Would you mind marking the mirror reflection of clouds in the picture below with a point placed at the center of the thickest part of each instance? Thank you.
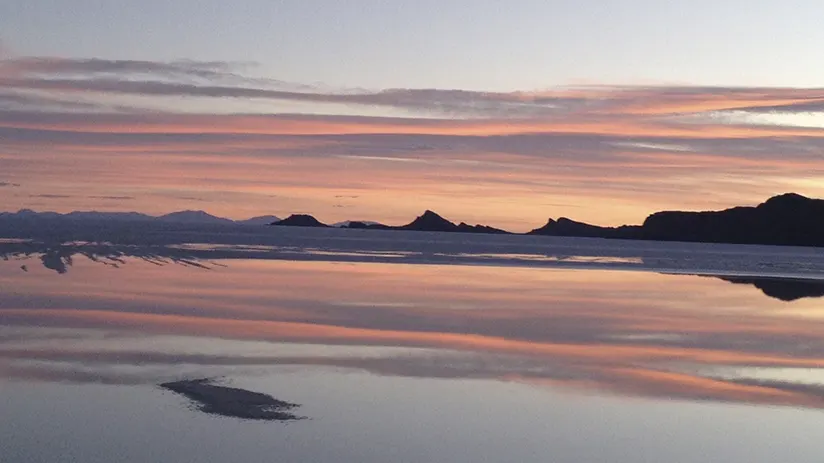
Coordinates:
(614, 331)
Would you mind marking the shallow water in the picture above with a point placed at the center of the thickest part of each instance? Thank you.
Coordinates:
(409, 362)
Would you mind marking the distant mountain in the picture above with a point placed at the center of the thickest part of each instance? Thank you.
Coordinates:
(119, 216)
(261, 220)
(789, 219)
(28, 214)
(568, 227)
(300, 220)
(433, 222)
(357, 223)
(430, 221)
(363, 225)
(466, 228)
(181, 217)
(194, 217)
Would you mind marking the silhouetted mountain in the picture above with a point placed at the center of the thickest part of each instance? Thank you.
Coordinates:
(300, 220)
(430, 221)
(119, 216)
(466, 228)
(567, 227)
(181, 217)
(360, 225)
(193, 217)
(788, 219)
(784, 289)
(28, 214)
(262, 220)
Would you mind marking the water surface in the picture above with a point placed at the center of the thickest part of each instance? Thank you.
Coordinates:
(409, 361)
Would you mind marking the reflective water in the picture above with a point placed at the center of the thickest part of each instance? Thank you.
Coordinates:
(405, 362)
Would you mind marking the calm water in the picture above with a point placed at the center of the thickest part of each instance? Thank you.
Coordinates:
(411, 362)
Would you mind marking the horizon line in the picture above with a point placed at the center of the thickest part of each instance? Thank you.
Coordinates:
(238, 221)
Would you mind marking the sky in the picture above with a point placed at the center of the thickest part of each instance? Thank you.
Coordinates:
(498, 112)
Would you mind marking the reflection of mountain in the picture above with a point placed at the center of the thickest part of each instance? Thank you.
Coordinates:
(60, 257)
(784, 289)
(624, 336)
(321, 245)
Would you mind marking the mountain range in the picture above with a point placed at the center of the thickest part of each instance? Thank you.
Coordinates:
(429, 221)
(180, 217)
(788, 219)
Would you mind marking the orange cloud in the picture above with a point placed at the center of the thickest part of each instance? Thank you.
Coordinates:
(608, 155)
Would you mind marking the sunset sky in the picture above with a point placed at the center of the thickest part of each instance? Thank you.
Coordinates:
(500, 112)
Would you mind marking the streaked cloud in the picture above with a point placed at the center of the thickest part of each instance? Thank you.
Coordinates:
(50, 196)
(214, 79)
(159, 132)
(46, 67)
(113, 198)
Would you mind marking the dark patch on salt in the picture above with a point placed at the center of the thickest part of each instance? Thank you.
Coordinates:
(233, 402)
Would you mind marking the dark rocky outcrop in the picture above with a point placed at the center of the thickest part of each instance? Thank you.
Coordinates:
(194, 217)
(300, 220)
(433, 222)
(358, 225)
(788, 219)
(568, 227)
(466, 228)
(430, 221)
